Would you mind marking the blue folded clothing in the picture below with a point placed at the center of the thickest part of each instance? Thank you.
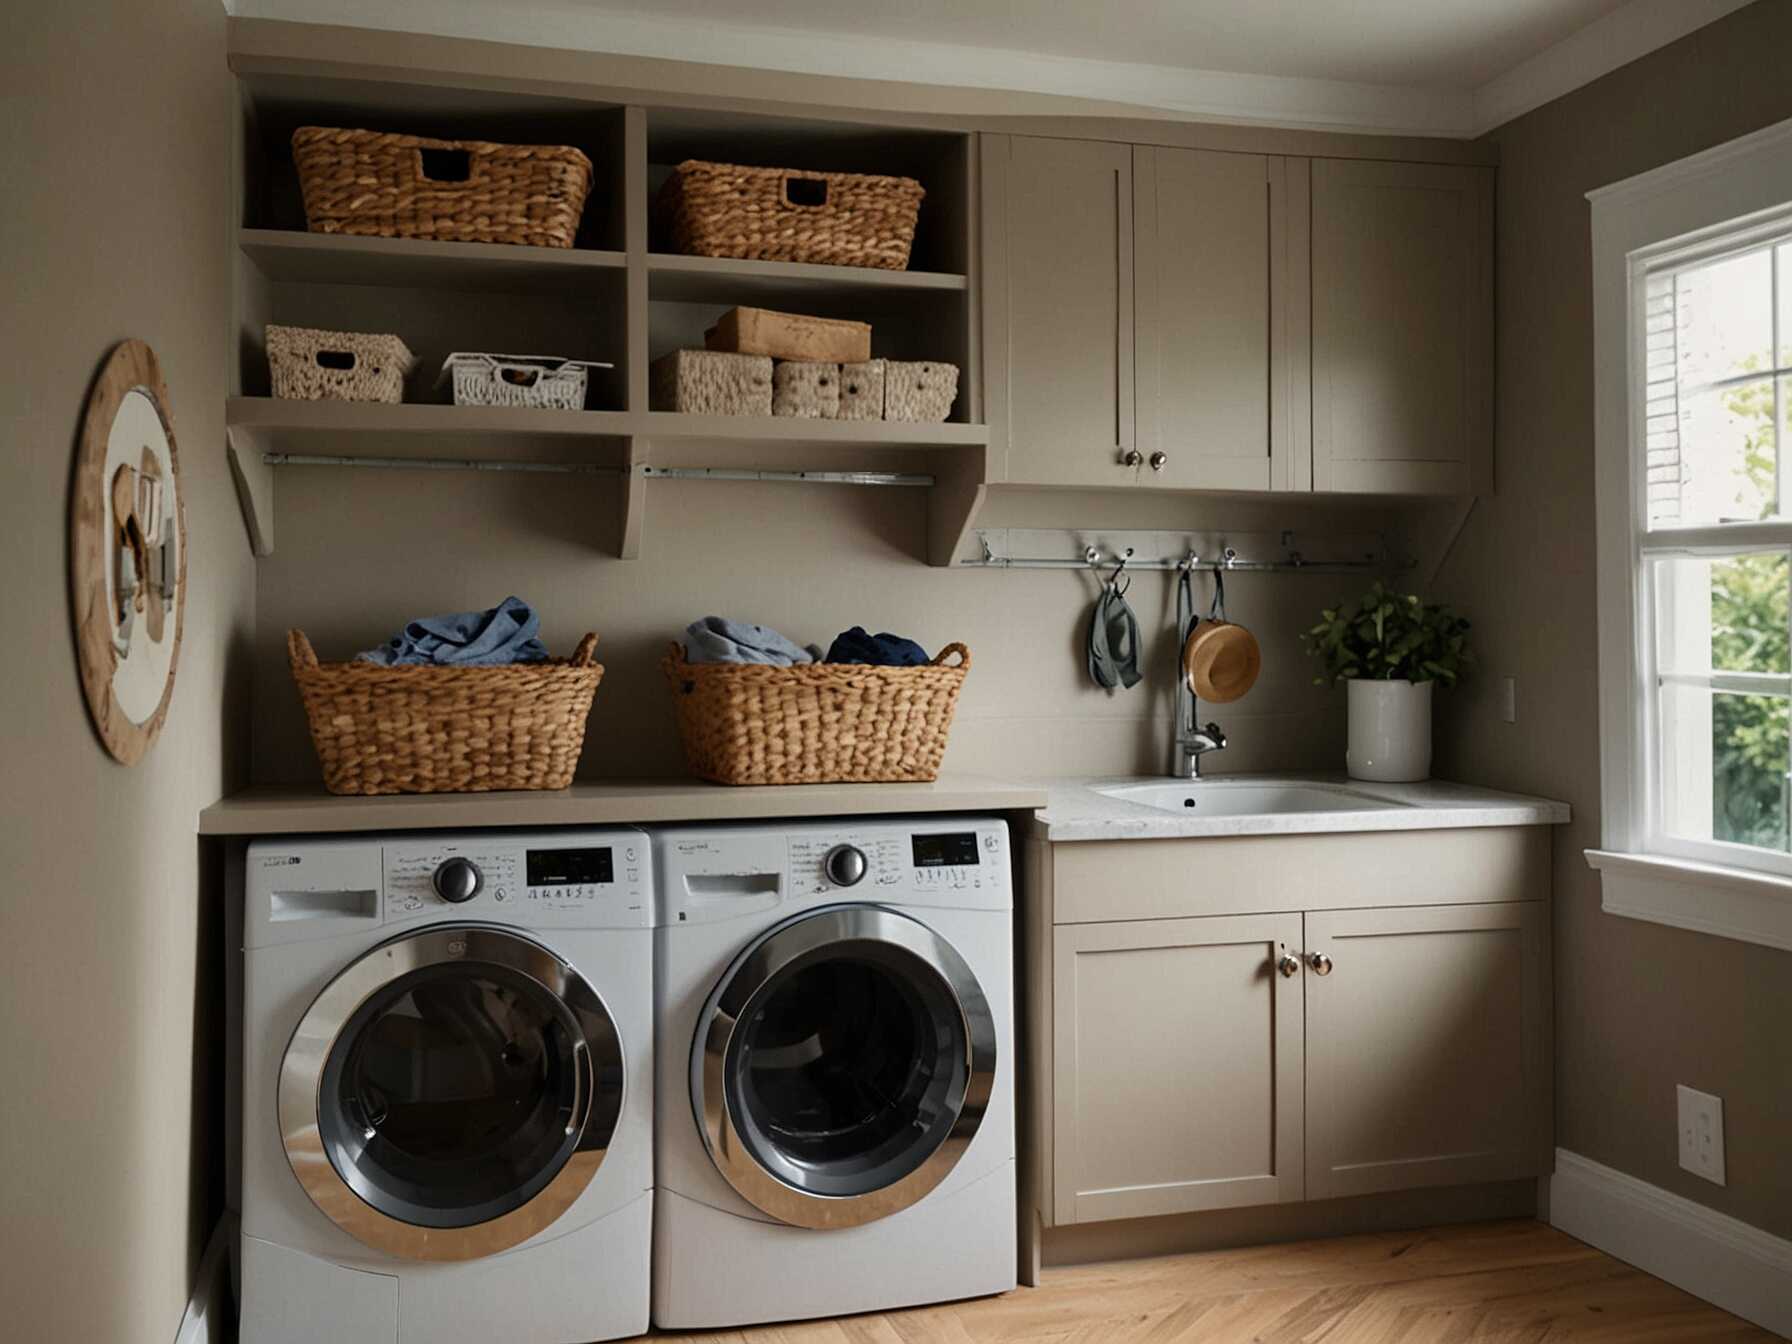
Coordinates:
(505, 634)
(886, 650)
(716, 639)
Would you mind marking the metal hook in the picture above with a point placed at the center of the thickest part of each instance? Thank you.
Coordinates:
(1120, 569)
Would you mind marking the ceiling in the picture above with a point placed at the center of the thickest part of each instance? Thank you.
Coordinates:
(1428, 67)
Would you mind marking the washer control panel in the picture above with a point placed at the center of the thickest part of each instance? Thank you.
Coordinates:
(602, 875)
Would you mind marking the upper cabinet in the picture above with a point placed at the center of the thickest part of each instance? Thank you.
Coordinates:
(1197, 320)
(1058, 345)
(1402, 327)
(1202, 227)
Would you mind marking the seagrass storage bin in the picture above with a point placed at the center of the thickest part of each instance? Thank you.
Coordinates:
(822, 723)
(806, 391)
(862, 390)
(445, 729)
(708, 382)
(462, 191)
(306, 364)
(919, 392)
(785, 214)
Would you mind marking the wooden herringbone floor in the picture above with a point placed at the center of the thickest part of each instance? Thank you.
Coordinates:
(1488, 1283)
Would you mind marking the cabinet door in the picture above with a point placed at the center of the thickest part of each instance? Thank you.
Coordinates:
(1202, 260)
(1177, 1066)
(1402, 327)
(1058, 308)
(1427, 1047)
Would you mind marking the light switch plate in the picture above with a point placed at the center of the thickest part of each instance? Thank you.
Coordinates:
(1509, 699)
(1701, 1133)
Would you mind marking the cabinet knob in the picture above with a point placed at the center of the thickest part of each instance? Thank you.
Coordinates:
(1131, 457)
(1287, 964)
(1159, 461)
(1321, 964)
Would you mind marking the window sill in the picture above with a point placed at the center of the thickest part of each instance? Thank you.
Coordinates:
(1724, 902)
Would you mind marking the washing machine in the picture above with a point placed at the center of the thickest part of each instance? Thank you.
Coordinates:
(835, 1103)
(447, 1088)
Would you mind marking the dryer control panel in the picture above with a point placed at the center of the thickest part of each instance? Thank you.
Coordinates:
(723, 872)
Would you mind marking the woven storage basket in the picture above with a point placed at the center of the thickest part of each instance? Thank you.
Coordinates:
(782, 214)
(919, 392)
(463, 191)
(445, 729)
(862, 390)
(709, 382)
(543, 381)
(806, 391)
(821, 723)
(306, 364)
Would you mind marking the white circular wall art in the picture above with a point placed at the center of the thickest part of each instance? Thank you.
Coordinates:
(128, 552)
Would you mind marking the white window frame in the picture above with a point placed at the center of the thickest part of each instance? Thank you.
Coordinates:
(1719, 202)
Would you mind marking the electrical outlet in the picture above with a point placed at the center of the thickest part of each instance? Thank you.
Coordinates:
(1509, 699)
(1701, 1133)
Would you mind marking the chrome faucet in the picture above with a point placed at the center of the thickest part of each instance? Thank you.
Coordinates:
(1191, 741)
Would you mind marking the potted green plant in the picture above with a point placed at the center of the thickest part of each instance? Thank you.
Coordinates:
(1391, 648)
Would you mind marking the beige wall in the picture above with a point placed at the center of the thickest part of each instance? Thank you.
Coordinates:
(1639, 1007)
(359, 551)
(116, 123)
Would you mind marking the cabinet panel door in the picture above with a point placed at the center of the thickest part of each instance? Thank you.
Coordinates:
(1202, 225)
(1402, 327)
(1176, 1066)
(1427, 1047)
(1059, 307)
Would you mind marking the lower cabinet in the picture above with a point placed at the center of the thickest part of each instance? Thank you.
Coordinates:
(1178, 1066)
(1427, 1047)
(1218, 1061)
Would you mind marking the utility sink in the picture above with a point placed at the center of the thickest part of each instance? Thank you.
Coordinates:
(1224, 798)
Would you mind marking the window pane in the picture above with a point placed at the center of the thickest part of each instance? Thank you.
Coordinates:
(1728, 614)
(1785, 288)
(1728, 454)
(1724, 319)
(1725, 753)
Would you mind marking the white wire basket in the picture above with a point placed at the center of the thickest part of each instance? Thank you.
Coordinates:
(546, 381)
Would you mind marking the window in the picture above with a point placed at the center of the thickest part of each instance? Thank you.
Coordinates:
(1692, 270)
(1711, 408)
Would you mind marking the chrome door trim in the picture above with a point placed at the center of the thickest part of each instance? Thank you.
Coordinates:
(597, 1053)
(799, 939)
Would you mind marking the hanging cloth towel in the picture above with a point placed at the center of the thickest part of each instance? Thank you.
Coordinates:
(1113, 640)
(506, 634)
(886, 650)
(717, 639)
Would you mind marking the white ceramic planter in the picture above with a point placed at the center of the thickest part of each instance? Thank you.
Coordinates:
(1390, 731)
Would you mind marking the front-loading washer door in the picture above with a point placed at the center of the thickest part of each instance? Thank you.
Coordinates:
(451, 1093)
(842, 1066)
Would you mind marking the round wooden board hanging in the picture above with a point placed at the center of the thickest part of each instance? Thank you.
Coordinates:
(128, 552)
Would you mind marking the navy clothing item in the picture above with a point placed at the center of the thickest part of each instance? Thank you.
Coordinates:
(886, 650)
(505, 634)
(717, 639)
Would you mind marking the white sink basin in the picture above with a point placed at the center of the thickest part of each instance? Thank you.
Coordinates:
(1223, 798)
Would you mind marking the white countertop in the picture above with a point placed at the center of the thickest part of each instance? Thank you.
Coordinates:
(1076, 812)
(272, 810)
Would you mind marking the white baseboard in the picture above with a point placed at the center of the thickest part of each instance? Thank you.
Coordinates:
(1711, 1255)
(204, 1321)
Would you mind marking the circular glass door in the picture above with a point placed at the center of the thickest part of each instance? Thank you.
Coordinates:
(843, 1066)
(451, 1093)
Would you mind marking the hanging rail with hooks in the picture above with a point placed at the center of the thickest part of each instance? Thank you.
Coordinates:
(1185, 551)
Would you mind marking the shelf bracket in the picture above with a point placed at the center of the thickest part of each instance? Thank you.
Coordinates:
(254, 481)
(634, 500)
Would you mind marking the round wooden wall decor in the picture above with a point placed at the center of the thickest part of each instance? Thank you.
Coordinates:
(128, 552)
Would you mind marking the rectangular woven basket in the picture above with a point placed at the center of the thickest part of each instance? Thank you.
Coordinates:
(821, 723)
(785, 214)
(446, 729)
(464, 191)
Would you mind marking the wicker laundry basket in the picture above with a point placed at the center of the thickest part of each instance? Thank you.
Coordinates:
(445, 729)
(822, 723)
(463, 191)
(784, 214)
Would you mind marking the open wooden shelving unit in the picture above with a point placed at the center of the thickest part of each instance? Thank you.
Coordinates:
(619, 295)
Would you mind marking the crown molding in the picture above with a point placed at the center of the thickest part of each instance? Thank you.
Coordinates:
(1634, 30)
